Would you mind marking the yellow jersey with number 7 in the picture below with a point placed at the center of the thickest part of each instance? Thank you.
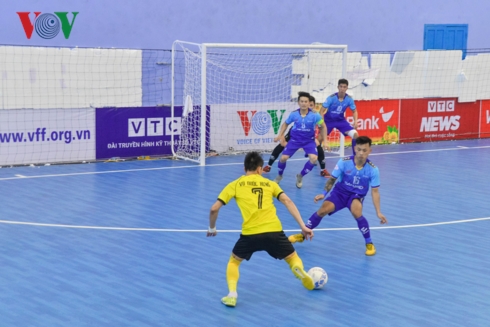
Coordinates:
(254, 196)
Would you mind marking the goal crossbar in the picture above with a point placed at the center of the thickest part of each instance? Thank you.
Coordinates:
(203, 103)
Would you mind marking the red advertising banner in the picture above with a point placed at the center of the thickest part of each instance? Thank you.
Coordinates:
(423, 120)
(485, 119)
(377, 119)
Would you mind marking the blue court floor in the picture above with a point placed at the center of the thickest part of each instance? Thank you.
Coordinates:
(124, 244)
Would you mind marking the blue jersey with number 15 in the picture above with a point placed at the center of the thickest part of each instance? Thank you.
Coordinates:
(353, 180)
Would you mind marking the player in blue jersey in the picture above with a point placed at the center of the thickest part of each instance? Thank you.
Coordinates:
(336, 105)
(354, 175)
(302, 135)
(318, 140)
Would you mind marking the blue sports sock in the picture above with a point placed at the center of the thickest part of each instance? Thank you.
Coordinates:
(313, 221)
(354, 146)
(307, 168)
(363, 226)
(281, 166)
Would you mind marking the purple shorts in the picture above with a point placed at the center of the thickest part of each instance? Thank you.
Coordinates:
(342, 125)
(292, 147)
(341, 200)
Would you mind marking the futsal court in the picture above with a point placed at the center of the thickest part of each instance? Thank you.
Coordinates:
(124, 244)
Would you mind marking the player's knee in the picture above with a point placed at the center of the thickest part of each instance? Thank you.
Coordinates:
(353, 134)
(356, 214)
(325, 209)
(322, 212)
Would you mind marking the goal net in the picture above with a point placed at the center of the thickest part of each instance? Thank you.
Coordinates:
(234, 97)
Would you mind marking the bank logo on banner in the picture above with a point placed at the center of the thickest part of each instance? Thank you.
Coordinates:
(139, 127)
(372, 122)
(47, 25)
(440, 123)
(261, 122)
(386, 115)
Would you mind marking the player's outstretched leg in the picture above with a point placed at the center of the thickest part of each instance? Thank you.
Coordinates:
(321, 159)
(354, 146)
(354, 135)
(363, 226)
(232, 276)
(281, 166)
(274, 155)
(311, 223)
(306, 169)
(296, 265)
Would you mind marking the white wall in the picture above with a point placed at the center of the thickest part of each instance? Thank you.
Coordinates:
(410, 74)
(39, 78)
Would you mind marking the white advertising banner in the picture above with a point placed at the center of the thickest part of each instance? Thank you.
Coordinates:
(247, 126)
(30, 136)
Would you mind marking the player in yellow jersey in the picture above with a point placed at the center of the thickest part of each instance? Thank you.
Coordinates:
(261, 229)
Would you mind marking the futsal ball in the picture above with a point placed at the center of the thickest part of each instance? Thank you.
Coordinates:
(319, 277)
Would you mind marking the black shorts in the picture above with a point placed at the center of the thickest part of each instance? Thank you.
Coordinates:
(288, 136)
(275, 243)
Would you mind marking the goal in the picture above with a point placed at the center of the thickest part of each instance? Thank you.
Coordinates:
(233, 98)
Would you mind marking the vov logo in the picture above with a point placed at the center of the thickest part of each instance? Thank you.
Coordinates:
(47, 25)
(261, 122)
(138, 127)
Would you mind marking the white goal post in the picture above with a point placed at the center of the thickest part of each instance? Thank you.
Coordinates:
(232, 98)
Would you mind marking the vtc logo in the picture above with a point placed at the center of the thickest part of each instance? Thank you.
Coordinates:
(261, 122)
(47, 25)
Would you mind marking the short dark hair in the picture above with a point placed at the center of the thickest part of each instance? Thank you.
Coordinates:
(343, 81)
(312, 99)
(363, 140)
(253, 160)
(303, 94)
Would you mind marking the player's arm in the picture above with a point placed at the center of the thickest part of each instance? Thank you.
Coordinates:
(328, 186)
(377, 204)
(353, 107)
(293, 210)
(323, 131)
(284, 126)
(321, 109)
(354, 115)
(327, 103)
(223, 198)
(213, 216)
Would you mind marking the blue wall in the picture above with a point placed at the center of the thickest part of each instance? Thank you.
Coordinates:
(154, 24)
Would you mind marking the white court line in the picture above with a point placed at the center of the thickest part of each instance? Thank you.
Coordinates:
(430, 150)
(227, 231)
(222, 164)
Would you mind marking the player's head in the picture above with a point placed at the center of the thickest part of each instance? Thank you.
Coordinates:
(304, 100)
(312, 102)
(253, 162)
(363, 147)
(343, 85)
